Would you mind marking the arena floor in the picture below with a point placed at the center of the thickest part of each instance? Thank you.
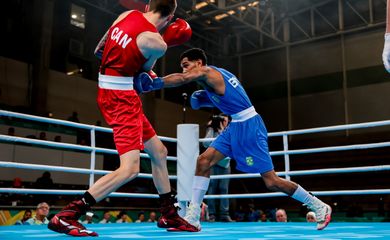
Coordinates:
(245, 231)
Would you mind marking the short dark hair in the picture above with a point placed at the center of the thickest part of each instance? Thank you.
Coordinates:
(164, 7)
(195, 54)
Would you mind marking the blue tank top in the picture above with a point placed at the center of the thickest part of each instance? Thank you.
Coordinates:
(235, 98)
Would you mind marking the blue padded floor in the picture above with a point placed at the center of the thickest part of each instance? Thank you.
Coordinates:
(245, 231)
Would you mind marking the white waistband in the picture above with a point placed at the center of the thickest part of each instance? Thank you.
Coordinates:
(115, 82)
(244, 115)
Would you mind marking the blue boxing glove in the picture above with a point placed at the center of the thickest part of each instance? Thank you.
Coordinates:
(146, 82)
(200, 99)
(100, 47)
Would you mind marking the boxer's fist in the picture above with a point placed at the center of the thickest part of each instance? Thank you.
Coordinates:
(200, 99)
(386, 52)
(177, 33)
(146, 82)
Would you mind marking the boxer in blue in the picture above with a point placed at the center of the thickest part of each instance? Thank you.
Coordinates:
(245, 139)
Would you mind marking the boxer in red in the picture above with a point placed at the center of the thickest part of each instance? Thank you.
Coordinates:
(132, 44)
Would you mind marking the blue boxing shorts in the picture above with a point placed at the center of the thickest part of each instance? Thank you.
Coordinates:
(246, 141)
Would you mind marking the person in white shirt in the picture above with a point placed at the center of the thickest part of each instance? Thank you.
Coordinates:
(141, 217)
(152, 217)
(41, 214)
(106, 217)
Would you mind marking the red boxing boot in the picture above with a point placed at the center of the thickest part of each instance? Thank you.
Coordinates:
(169, 217)
(66, 221)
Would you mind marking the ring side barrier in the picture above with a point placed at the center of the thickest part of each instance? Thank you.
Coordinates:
(287, 173)
(287, 152)
(67, 123)
(92, 129)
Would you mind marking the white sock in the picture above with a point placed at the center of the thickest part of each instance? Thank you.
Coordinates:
(199, 188)
(303, 196)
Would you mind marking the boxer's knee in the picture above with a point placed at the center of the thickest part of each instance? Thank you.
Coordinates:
(162, 152)
(272, 182)
(126, 174)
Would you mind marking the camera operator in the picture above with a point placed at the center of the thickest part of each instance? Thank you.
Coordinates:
(218, 186)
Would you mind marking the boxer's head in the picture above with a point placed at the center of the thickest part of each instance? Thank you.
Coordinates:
(192, 58)
(166, 9)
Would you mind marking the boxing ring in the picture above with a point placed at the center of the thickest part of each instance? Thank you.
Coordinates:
(211, 230)
(244, 231)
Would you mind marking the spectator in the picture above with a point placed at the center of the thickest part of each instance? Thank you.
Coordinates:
(254, 214)
(311, 217)
(42, 136)
(263, 217)
(88, 218)
(106, 217)
(281, 215)
(44, 182)
(239, 215)
(74, 117)
(40, 215)
(218, 186)
(27, 215)
(152, 217)
(57, 138)
(141, 217)
(11, 131)
(122, 217)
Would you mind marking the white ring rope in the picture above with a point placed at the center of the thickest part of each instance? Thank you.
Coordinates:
(224, 176)
(67, 169)
(67, 123)
(287, 173)
(72, 192)
(308, 172)
(332, 149)
(332, 128)
(67, 145)
(315, 193)
(146, 195)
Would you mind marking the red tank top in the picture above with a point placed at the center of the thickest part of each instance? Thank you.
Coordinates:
(121, 56)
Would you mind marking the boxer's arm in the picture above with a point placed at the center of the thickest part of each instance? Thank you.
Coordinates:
(152, 47)
(177, 79)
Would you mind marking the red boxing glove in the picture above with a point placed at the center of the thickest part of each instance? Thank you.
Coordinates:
(177, 33)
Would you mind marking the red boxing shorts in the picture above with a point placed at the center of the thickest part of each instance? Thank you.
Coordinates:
(122, 110)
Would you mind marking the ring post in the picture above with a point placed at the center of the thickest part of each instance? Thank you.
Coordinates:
(187, 153)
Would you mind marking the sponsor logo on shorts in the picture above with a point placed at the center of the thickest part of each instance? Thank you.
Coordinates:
(249, 161)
